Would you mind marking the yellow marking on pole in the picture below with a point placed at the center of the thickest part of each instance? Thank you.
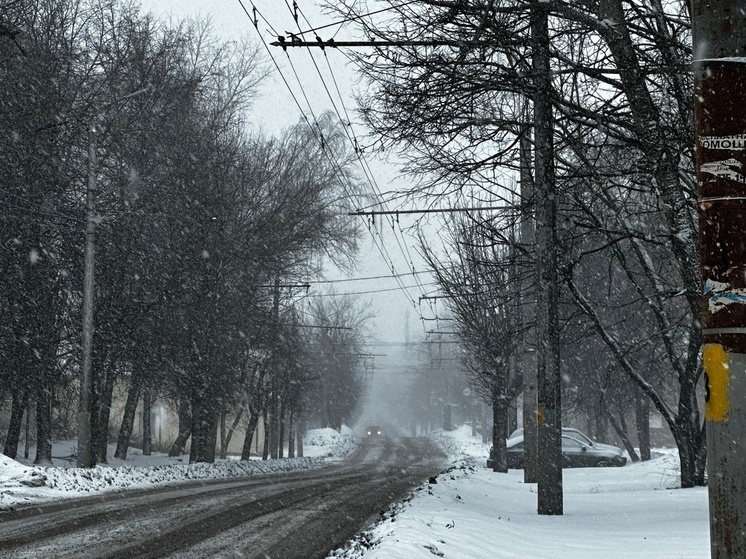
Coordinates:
(717, 371)
(540, 419)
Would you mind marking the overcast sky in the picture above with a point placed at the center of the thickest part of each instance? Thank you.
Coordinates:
(276, 109)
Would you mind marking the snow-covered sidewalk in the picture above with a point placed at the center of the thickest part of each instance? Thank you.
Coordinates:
(633, 512)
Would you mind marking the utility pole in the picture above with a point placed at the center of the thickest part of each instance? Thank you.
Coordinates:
(274, 422)
(86, 459)
(548, 411)
(550, 497)
(85, 447)
(527, 310)
(719, 34)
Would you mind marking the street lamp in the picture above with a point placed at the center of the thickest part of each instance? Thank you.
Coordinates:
(85, 450)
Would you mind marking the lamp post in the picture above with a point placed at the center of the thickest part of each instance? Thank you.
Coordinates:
(85, 454)
(85, 448)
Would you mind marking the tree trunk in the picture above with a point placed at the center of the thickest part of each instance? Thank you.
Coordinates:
(274, 425)
(692, 454)
(18, 405)
(621, 431)
(44, 421)
(299, 436)
(221, 426)
(281, 434)
(102, 411)
(265, 450)
(601, 432)
(642, 420)
(291, 440)
(204, 430)
(499, 453)
(249, 439)
(185, 428)
(147, 428)
(128, 418)
(27, 437)
(226, 441)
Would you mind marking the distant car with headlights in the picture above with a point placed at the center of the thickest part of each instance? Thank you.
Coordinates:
(576, 453)
(373, 431)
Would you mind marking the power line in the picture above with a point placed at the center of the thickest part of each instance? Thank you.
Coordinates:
(300, 108)
(362, 292)
(366, 168)
(356, 17)
(388, 276)
(332, 43)
(432, 210)
(403, 246)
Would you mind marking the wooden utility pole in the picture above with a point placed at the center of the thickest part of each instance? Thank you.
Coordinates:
(549, 478)
(719, 29)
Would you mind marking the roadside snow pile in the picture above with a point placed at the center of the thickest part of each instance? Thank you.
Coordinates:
(460, 444)
(633, 512)
(469, 512)
(21, 484)
(103, 478)
(329, 443)
(13, 474)
(369, 540)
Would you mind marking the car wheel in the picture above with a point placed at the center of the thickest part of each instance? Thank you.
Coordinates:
(603, 463)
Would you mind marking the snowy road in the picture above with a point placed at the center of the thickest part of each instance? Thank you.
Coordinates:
(304, 514)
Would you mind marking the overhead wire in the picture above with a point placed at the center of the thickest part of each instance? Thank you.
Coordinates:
(356, 17)
(345, 280)
(381, 248)
(349, 131)
(367, 292)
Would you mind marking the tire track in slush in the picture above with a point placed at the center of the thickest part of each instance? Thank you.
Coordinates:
(300, 515)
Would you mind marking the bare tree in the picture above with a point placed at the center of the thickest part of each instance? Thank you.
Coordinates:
(480, 294)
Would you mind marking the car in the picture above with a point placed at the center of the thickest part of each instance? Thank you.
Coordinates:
(577, 434)
(575, 453)
(373, 431)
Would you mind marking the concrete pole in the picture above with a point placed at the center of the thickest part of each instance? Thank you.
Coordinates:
(550, 493)
(85, 449)
(719, 29)
(528, 313)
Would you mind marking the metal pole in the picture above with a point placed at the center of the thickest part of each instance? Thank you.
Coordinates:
(274, 424)
(85, 451)
(719, 33)
(527, 312)
(550, 497)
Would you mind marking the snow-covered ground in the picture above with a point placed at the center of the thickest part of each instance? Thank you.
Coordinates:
(21, 483)
(634, 512)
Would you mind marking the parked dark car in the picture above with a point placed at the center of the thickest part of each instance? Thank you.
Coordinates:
(575, 453)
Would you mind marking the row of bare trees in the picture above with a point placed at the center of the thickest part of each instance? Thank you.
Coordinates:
(623, 159)
(198, 223)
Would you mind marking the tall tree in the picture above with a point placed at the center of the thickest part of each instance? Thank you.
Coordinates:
(455, 109)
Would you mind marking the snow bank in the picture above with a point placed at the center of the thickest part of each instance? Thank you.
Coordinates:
(469, 512)
(459, 444)
(13, 474)
(25, 484)
(329, 443)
